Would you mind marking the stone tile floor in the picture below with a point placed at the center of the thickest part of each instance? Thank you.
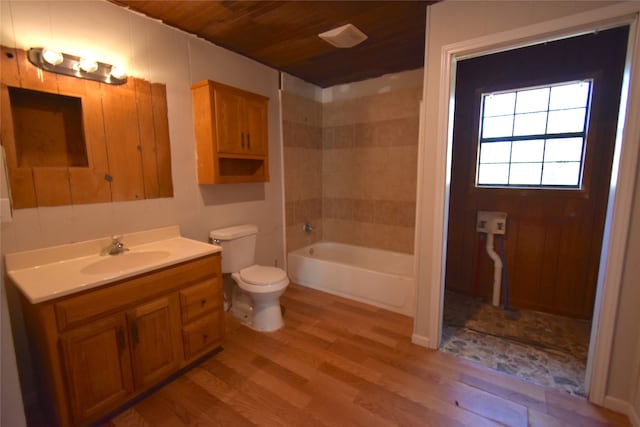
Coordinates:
(540, 347)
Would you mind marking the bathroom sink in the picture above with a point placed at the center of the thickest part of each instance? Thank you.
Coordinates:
(124, 261)
(53, 272)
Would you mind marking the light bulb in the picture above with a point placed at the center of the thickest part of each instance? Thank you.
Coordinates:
(118, 72)
(52, 57)
(88, 65)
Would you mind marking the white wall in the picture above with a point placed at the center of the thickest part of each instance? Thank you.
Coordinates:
(158, 53)
(454, 22)
(377, 85)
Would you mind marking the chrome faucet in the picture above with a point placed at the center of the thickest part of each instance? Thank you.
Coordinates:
(307, 228)
(115, 248)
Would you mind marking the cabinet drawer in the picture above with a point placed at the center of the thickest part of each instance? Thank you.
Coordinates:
(199, 299)
(202, 335)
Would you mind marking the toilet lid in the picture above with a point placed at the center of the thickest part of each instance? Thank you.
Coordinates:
(261, 275)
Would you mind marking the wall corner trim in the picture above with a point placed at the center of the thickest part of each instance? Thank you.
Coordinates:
(618, 405)
(423, 341)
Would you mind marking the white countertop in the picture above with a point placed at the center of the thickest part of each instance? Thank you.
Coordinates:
(49, 273)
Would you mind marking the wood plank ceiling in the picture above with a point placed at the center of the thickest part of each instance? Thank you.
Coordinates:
(283, 34)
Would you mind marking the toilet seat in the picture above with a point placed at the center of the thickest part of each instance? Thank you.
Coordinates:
(261, 279)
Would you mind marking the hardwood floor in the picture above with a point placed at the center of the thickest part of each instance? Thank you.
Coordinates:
(342, 363)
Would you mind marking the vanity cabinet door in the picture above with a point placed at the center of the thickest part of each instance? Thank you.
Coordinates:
(155, 336)
(98, 366)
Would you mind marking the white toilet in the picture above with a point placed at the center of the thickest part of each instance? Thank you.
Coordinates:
(262, 284)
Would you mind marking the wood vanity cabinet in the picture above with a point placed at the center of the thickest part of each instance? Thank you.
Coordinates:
(231, 134)
(99, 349)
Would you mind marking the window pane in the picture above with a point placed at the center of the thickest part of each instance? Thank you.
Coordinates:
(530, 124)
(493, 173)
(550, 113)
(497, 126)
(499, 105)
(532, 100)
(525, 173)
(569, 96)
(566, 120)
(527, 151)
(563, 150)
(561, 173)
(495, 152)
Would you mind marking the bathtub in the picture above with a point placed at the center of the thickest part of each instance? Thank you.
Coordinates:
(373, 276)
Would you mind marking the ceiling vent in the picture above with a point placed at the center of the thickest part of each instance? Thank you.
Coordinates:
(345, 36)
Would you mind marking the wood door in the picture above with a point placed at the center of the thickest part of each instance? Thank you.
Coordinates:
(163, 143)
(554, 237)
(155, 340)
(256, 126)
(123, 141)
(228, 119)
(98, 366)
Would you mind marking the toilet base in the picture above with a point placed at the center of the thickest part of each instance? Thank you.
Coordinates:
(259, 312)
(243, 312)
(267, 316)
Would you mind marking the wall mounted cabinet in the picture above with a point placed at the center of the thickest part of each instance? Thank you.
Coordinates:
(74, 141)
(98, 349)
(231, 134)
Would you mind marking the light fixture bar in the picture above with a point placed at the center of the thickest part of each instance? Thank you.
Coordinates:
(77, 67)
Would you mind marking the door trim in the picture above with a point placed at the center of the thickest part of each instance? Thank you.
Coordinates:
(431, 237)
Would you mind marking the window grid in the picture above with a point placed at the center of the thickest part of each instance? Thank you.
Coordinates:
(545, 138)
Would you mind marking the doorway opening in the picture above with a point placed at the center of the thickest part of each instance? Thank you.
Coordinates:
(552, 181)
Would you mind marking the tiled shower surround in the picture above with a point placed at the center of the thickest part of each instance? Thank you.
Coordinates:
(351, 169)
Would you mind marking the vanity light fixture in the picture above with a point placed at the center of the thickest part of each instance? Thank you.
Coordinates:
(70, 65)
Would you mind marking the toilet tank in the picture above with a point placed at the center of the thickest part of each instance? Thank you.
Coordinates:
(238, 246)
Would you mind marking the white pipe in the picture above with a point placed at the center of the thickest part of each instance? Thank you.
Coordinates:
(497, 269)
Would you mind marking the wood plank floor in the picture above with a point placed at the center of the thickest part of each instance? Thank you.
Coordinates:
(341, 363)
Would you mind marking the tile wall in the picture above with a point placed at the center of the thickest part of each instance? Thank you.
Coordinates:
(351, 169)
(302, 140)
(369, 170)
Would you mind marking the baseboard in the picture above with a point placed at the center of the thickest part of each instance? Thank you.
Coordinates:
(421, 340)
(623, 407)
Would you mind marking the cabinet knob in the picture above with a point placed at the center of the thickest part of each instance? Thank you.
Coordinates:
(205, 337)
(203, 301)
(242, 138)
(249, 141)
